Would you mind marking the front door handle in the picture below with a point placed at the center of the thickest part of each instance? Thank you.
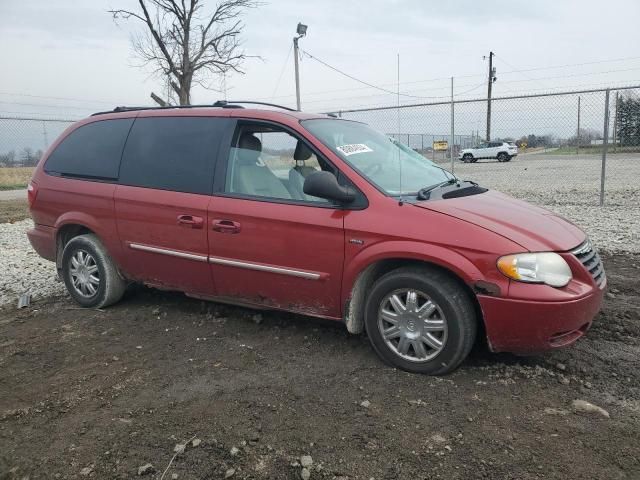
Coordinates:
(226, 226)
(190, 221)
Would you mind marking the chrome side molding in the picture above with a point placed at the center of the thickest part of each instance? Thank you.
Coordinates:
(265, 268)
(227, 262)
(167, 251)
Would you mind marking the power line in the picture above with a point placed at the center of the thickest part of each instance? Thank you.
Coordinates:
(516, 70)
(572, 65)
(284, 66)
(13, 94)
(46, 105)
(474, 87)
(575, 75)
(335, 69)
(513, 71)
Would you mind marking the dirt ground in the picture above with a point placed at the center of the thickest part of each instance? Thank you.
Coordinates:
(13, 210)
(98, 394)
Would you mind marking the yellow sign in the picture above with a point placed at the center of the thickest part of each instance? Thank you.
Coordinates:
(441, 145)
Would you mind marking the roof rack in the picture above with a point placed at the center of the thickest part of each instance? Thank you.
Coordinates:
(218, 104)
(230, 104)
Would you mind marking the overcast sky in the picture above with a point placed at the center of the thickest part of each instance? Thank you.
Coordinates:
(73, 50)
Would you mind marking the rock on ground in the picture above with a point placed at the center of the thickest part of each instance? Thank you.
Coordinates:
(586, 407)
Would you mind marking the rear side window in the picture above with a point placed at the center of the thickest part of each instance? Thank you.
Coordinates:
(91, 151)
(172, 153)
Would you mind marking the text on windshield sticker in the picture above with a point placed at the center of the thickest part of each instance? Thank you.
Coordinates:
(354, 148)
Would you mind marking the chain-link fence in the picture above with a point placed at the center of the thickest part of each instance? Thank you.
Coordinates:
(567, 155)
(23, 139)
(572, 150)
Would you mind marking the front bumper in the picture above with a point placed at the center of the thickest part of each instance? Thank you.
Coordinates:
(524, 326)
(43, 241)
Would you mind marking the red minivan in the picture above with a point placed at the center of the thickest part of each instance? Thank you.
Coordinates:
(279, 209)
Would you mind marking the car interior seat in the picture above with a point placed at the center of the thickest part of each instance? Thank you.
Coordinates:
(249, 175)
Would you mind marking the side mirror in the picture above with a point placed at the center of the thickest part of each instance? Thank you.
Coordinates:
(325, 185)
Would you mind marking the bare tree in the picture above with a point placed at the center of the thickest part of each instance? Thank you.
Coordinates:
(185, 44)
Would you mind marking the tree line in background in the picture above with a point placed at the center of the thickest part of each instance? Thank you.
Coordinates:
(628, 121)
(27, 157)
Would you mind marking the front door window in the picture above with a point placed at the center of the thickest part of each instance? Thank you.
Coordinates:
(270, 162)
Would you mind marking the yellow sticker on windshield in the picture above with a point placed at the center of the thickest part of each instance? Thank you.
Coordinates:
(354, 148)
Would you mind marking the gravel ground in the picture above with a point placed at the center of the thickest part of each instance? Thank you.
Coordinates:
(23, 271)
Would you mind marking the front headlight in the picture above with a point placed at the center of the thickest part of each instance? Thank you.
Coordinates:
(546, 267)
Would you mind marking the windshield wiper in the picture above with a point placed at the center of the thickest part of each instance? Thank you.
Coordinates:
(423, 193)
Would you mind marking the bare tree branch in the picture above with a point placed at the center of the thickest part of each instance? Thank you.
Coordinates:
(185, 44)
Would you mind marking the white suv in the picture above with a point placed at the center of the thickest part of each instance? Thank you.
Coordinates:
(502, 151)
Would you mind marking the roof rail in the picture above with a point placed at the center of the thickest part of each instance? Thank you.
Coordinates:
(231, 104)
(167, 107)
(218, 104)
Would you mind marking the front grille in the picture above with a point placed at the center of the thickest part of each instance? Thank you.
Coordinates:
(591, 260)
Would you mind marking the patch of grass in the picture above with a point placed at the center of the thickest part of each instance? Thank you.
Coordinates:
(13, 210)
(14, 178)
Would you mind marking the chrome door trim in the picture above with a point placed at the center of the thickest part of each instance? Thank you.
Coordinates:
(167, 251)
(265, 268)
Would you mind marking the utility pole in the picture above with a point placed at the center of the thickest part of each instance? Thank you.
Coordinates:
(301, 30)
(490, 84)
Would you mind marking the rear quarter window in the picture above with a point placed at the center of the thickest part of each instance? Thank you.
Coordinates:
(172, 153)
(91, 151)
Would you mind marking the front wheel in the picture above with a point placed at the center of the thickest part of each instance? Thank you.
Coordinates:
(467, 157)
(420, 320)
(503, 157)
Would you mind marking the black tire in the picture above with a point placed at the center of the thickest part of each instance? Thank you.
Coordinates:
(474, 160)
(467, 157)
(109, 287)
(454, 305)
(503, 157)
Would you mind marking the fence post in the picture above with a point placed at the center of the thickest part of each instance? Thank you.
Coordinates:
(578, 131)
(452, 139)
(44, 135)
(615, 127)
(605, 142)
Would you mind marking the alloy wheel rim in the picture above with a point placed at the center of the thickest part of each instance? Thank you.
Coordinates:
(412, 325)
(84, 272)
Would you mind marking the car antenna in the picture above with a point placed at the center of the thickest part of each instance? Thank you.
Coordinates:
(401, 201)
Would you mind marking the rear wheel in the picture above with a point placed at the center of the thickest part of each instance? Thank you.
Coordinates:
(90, 274)
(420, 320)
(503, 157)
(467, 157)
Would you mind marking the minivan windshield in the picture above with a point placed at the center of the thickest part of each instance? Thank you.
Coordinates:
(377, 157)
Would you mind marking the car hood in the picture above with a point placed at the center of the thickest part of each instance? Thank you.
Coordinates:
(533, 228)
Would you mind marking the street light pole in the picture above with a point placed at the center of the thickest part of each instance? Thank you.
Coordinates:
(301, 30)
